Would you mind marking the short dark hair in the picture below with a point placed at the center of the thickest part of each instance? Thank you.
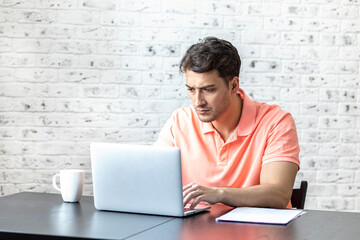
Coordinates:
(212, 53)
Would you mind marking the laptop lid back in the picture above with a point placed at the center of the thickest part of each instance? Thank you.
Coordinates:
(137, 178)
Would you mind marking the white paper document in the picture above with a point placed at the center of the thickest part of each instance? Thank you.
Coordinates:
(261, 215)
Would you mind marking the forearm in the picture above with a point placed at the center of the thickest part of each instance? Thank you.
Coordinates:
(267, 195)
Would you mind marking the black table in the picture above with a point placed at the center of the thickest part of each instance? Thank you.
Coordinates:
(43, 216)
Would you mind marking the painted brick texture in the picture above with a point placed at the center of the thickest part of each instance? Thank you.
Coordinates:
(73, 72)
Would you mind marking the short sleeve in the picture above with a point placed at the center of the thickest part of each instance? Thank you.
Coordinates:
(282, 143)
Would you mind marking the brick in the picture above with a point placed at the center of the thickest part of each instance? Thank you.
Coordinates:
(141, 63)
(56, 90)
(339, 122)
(174, 92)
(319, 52)
(242, 23)
(349, 53)
(324, 135)
(301, 67)
(56, 4)
(78, 17)
(56, 119)
(349, 109)
(322, 190)
(291, 38)
(93, 4)
(56, 61)
(262, 9)
(17, 60)
(185, 6)
(142, 120)
(99, 62)
(300, 10)
(101, 91)
(76, 162)
(335, 176)
(252, 65)
(16, 90)
(121, 77)
(327, 25)
(337, 95)
(15, 148)
(284, 52)
(223, 7)
(17, 4)
(36, 16)
(348, 39)
(122, 135)
(311, 163)
(349, 162)
(97, 32)
(336, 203)
(260, 37)
(351, 25)
(5, 45)
(350, 136)
(311, 81)
(163, 20)
(342, 67)
(75, 47)
(336, 149)
(140, 6)
(306, 122)
(82, 76)
(333, 11)
(159, 106)
(163, 78)
(299, 94)
(349, 189)
(15, 119)
(61, 148)
(16, 30)
(36, 134)
(165, 50)
(203, 21)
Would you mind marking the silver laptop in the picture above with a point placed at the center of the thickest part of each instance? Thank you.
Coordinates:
(138, 179)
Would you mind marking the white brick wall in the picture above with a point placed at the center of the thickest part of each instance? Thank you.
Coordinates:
(73, 72)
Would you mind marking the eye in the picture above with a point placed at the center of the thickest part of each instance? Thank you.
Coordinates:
(209, 90)
(191, 90)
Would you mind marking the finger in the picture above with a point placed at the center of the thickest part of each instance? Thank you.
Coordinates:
(190, 185)
(191, 195)
(189, 188)
(196, 201)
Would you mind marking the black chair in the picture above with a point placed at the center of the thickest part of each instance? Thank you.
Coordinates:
(298, 196)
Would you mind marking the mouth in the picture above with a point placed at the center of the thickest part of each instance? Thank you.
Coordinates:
(202, 111)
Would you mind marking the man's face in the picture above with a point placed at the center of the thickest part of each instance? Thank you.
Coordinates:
(209, 94)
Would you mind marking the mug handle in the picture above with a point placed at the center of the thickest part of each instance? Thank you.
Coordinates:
(54, 182)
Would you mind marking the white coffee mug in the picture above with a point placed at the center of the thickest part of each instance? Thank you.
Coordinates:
(71, 184)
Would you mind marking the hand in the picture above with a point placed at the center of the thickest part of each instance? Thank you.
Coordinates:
(200, 193)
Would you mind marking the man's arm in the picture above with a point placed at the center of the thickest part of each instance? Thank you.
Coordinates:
(274, 191)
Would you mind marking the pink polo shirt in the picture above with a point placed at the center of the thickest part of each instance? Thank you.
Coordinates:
(265, 134)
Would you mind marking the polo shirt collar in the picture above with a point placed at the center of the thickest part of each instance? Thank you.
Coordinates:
(247, 120)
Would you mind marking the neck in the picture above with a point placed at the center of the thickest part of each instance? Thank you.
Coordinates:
(228, 122)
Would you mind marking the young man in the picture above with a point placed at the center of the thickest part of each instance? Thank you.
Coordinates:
(234, 150)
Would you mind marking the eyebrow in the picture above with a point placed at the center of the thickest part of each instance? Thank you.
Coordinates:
(206, 86)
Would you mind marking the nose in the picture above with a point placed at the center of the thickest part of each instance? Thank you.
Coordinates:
(199, 99)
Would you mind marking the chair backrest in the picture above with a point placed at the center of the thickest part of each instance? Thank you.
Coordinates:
(298, 196)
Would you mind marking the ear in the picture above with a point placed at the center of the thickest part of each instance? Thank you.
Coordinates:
(234, 84)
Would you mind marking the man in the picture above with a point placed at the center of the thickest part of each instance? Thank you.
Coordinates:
(234, 150)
